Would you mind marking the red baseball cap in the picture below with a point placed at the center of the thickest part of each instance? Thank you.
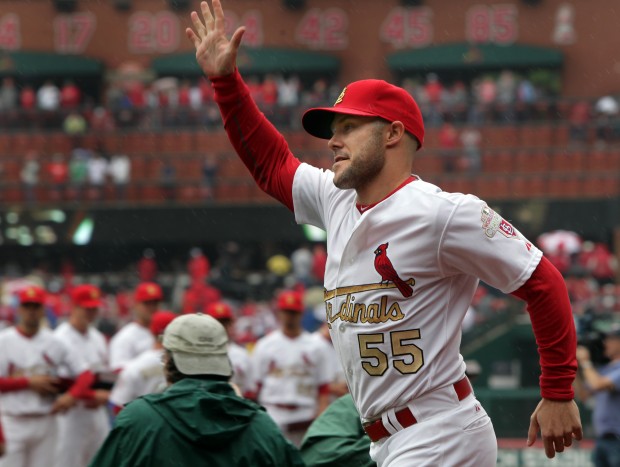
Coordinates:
(160, 320)
(219, 310)
(291, 300)
(368, 98)
(32, 294)
(148, 291)
(86, 296)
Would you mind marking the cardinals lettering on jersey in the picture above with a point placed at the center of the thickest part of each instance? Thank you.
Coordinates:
(383, 265)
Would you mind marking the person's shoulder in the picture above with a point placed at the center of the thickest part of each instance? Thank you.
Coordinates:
(422, 188)
(273, 336)
(62, 329)
(140, 408)
(126, 332)
(8, 333)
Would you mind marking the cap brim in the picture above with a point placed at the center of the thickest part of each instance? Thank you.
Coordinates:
(90, 304)
(198, 364)
(318, 121)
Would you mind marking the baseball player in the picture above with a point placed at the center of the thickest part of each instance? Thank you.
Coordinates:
(136, 337)
(144, 374)
(31, 358)
(290, 377)
(239, 357)
(82, 430)
(404, 260)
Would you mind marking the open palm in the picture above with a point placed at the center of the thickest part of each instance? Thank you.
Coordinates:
(215, 54)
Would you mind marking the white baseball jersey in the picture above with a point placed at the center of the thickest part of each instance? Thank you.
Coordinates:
(91, 346)
(128, 343)
(82, 430)
(41, 354)
(400, 278)
(289, 372)
(240, 360)
(142, 375)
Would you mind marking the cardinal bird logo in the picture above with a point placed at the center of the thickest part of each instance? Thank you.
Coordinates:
(384, 267)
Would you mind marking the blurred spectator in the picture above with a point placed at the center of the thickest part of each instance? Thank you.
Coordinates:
(29, 176)
(48, 101)
(9, 95)
(579, 119)
(147, 266)
(101, 120)
(301, 261)
(606, 120)
(120, 173)
(58, 172)
(319, 261)
(506, 94)
(70, 96)
(27, 98)
(433, 90)
(97, 171)
(470, 140)
(210, 169)
(602, 264)
(168, 180)
(448, 142)
(74, 124)
(198, 267)
(78, 171)
(48, 96)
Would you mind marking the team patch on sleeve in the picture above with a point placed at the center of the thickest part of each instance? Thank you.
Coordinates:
(492, 223)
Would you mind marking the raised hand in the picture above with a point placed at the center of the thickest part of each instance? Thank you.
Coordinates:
(216, 55)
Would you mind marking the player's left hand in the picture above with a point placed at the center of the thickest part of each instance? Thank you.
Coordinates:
(558, 423)
(63, 403)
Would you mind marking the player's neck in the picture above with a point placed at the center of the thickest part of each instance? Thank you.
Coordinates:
(291, 333)
(79, 326)
(381, 188)
(27, 331)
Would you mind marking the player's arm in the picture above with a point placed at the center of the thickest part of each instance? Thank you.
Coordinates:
(260, 146)
(557, 415)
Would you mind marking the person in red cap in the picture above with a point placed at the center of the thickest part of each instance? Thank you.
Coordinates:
(404, 261)
(136, 337)
(290, 371)
(239, 357)
(32, 359)
(82, 430)
(145, 373)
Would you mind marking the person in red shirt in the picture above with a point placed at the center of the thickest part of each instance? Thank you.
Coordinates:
(58, 173)
(70, 96)
(147, 266)
(198, 267)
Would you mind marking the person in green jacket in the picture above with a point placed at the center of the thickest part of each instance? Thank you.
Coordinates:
(337, 438)
(200, 420)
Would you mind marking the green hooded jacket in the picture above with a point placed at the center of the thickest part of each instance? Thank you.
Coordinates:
(336, 438)
(195, 422)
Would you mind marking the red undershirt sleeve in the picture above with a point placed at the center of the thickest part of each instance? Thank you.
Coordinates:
(81, 387)
(552, 321)
(258, 143)
(324, 389)
(13, 384)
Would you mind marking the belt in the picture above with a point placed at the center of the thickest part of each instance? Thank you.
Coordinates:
(286, 406)
(376, 430)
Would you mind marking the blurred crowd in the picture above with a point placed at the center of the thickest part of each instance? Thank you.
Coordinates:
(495, 98)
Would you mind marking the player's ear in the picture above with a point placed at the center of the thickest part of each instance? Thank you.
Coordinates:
(396, 133)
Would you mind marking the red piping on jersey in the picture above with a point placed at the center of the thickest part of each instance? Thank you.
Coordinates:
(362, 208)
(552, 320)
